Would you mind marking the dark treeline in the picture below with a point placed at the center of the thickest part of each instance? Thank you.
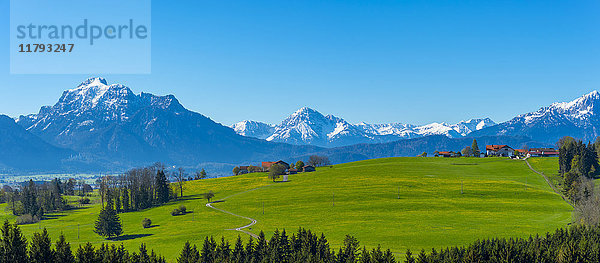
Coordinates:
(577, 244)
(31, 201)
(577, 161)
(15, 248)
(136, 189)
(578, 167)
(303, 246)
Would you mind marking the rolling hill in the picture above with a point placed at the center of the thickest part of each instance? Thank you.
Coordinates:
(397, 203)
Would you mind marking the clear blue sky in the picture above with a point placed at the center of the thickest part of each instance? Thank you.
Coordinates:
(375, 61)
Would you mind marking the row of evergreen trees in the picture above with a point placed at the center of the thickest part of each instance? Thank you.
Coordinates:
(303, 246)
(136, 189)
(577, 244)
(577, 161)
(15, 248)
(36, 199)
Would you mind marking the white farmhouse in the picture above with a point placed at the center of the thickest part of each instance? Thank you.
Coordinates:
(499, 150)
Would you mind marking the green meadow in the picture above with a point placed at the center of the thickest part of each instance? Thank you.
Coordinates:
(398, 203)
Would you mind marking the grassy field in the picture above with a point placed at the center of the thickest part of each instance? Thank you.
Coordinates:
(398, 203)
(548, 166)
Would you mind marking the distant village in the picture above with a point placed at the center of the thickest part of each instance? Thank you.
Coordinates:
(502, 150)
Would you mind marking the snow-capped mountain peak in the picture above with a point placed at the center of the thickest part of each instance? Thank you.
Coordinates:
(254, 129)
(579, 118)
(308, 126)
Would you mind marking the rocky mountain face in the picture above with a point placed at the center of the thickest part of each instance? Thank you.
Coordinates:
(578, 118)
(308, 126)
(121, 128)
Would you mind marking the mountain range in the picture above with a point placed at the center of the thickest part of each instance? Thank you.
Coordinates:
(579, 118)
(308, 126)
(102, 127)
(111, 126)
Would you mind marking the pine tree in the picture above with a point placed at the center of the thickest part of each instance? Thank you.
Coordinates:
(209, 248)
(237, 255)
(189, 254)
(41, 248)
(14, 244)
(162, 187)
(86, 254)
(125, 200)
(108, 223)
(409, 257)
(349, 251)
(63, 251)
(261, 249)
(475, 148)
(143, 256)
(422, 258)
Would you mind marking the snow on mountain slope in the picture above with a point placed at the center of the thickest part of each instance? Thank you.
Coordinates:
(579, 118)
(308, 126)
(254, 129)
(112, 123)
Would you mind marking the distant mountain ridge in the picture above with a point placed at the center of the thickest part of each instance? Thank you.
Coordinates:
(308, 126)
(579, 118)
(18, 148)
(104, 127)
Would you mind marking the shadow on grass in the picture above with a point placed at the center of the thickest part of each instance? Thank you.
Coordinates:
(129, 237)
(75, 208)
(153, 226)
(52, 217)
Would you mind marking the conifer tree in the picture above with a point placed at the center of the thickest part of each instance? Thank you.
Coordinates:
(125, 200)
(237, 254)
(189, 254)
(86, 253)
(63, 251)
(261, 249)
(475, 148)
(409, 257)
(41, 248)
(162, 187)
(349, 250)
(108, 223)
(14, 244)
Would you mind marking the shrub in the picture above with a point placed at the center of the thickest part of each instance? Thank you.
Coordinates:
(175, 212)
(179, 211)
(84, 201)
(27, 219)
(146, 223)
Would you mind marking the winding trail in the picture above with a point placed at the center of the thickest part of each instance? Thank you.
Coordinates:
(252, 220)
(549, 183)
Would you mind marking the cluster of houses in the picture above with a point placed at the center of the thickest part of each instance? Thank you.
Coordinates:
(503, 150)
(265, 166)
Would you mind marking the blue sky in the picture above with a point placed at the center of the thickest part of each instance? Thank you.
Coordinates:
(374, 61)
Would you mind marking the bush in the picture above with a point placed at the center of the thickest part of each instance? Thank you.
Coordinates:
(175, 212)
(84, 201)
(27, 219)
(146, 223)
(179, 211)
